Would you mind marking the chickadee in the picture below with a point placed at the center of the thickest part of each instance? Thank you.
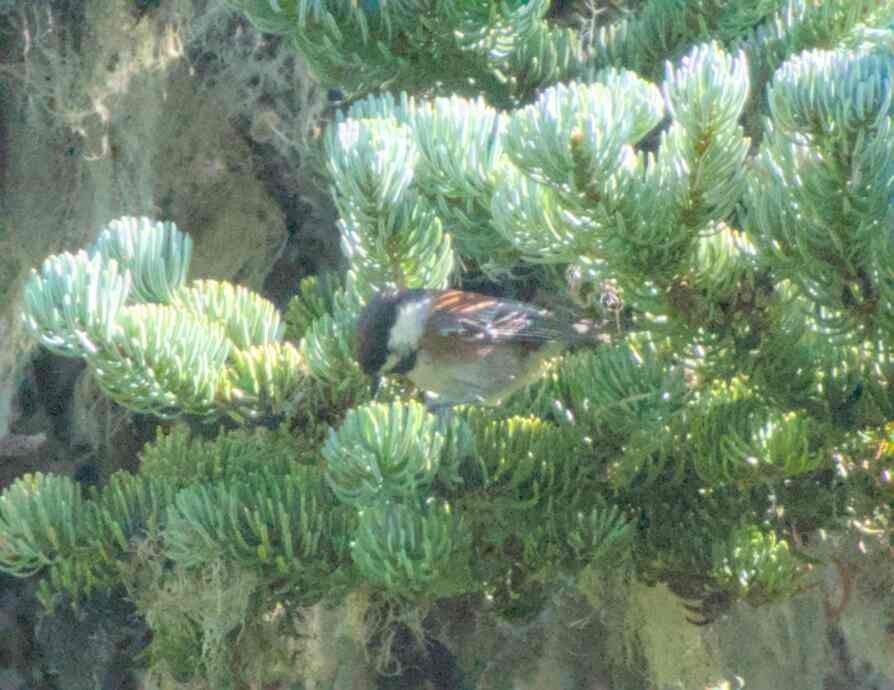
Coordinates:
(462, 347)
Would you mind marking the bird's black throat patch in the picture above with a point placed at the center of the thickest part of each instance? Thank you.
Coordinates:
(374, 327)
(406, 363)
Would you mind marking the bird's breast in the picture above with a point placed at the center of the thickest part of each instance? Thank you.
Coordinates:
(488, 378)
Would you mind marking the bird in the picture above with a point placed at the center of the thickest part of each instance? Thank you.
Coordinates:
(463, 347)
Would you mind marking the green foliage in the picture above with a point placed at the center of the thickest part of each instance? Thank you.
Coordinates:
(33, 531)
(76, 544)
(247, 318)
(72, 304)
(163, 359)
(269, 523)
(372, 165)
(757, 565)
(443, 46)
(321, 316)
(407, 550)
(176, 457)
(820, 197)
(716, 176)
(526, 462)
(252, 501)
(264, 377)
(155, 344)
(317, 296)
(540, 487)
(735, 438)
(156, 254)
(326, 347)
(598, 534)
(383, 452)
(798, 26)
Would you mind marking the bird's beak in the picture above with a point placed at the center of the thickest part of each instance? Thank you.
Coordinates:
(374, 387)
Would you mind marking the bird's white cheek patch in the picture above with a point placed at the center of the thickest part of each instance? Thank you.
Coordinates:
(408, 326)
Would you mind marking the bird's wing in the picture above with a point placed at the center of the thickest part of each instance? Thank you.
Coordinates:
(491, 321)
